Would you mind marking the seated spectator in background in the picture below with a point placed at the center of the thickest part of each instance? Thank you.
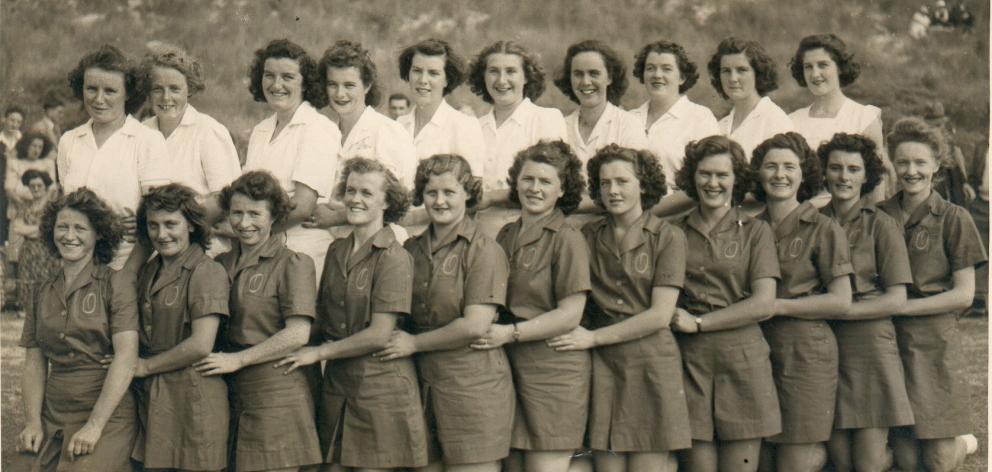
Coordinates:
(50, 123)
(13, 118)
(941, 16)
(952, 181)
(962, 18)
(399, 105)
(920, 23)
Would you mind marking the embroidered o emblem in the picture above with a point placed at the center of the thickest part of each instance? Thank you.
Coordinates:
(89, 303)
(731, 250)
(528, 257)
(362, 280)
(795, 247)
(171, 296)
(641, 263)
(921, 240)
(450, 264)
(255, 283)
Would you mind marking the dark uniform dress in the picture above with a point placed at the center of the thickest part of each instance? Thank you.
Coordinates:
(272, 416)
(941, 238)
(812, 252)
(871, 389)
(468, 394)
(638, 399)
(184, 415)
(727, 373)
(369, 413)
(74, 330)
(548, 262)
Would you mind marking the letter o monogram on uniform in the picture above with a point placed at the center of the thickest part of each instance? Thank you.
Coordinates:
(642, 262)
(255, 282)
(921, 240)
(529, 256)
(171, 296)
(795, 247)
(450, 264)
(89, 303)
(363, 278)
(731, 250)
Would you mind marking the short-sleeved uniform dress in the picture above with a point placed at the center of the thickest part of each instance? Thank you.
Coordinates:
(871, 389)
(549, 261)
(74, 326)
(638, 399)
(184, 415)
(468, 394)
(941, 238)
(812, 252)
(369, 413)
(272, 416)
(727, 373)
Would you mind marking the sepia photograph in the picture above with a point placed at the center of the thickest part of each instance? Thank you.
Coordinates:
(486, 236)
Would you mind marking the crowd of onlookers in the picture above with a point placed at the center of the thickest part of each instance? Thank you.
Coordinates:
(940, 17)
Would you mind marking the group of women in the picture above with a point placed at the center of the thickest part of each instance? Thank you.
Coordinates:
(511, 333)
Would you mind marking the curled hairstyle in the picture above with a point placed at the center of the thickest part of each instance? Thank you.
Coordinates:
(529, 62)
(28, 139)
(765, 77)
(110, 59)
(397, 197)
(615, 69)
(174, 57)
(170, 198)
(344, 54)
(809, 164)
(855, 143)
(687, 68)
(313, 92)
(32, 174)
(439, 164)
(10, 110)
(259, 185)
(847, 68)
(454, 65)
(915, 130)
(559, 155)
(646, 169)
(106, 226)
(710, 146)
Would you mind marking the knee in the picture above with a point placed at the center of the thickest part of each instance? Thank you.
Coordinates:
(808, 457)
(942, 457)
(872, 463)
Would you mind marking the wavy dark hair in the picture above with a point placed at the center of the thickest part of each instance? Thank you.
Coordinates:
(454, 65)
(174, 57)
(111, 59)
(10, 110)
(441, 163)
(259, 185)
(345, 54)
(855, 143)
(647, 169)
(397, 197)
(809, 164)
(559, 155)
(28, 139)
(848, 69)
(615, 68)
(32, 174)
(106, 225)
(916, 130)
(170, 198)
(530, 64)
(687, 68)
(313, 92)
(765, 76)
(696, 151)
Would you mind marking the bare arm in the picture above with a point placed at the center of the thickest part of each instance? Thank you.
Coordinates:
(759, 306)
(458, 333)
(184, 354)
(645, 323)
(954, 300)
(371, 339)
(882, 306)
(305, 199)
(139, 254)
(830, 305)
(673, 204)
(33, 397)
(290, 338)
(326, 215)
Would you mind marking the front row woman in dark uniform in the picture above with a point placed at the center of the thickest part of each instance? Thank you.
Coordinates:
(80, 415)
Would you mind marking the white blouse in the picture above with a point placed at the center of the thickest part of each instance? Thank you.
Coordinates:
(765, 121)
(449, 132)
(376, 136)
(528, 125)
(852, 117)
(615, 126)
(201, 152)
(683, 123)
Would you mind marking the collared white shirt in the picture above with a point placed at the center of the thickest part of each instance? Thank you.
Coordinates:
(683, 123)
(615, 126)
(852, 117)
(449, 132)
(201, 152)
(132, 160)
(765, 121)
(376, 136)
(526, 126)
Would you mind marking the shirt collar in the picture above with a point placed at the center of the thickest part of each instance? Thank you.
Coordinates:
(465, 230)
(187, 260)
(934, 204)
(382, 239)
(552, 221)
(91, 272)
(733, 217)
(855, 213)
(268, 250)
(804, 213)
(131, 127)
(635, 237)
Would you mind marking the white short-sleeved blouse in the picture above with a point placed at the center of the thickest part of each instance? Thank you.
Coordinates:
(449, 132)
(528, 125)
(765, 121)
(615, 126)
(201, 152)
(376, 136)
(683, 123)
(852, 117)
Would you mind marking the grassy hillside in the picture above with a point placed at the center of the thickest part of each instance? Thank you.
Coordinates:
(43, 39)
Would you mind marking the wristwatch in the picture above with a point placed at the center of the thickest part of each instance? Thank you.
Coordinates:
(699, 324)
(516, 333)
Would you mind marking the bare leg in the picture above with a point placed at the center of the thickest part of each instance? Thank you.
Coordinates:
(739, 455)
(810, 457)
(581, 463)
(702, 457)
(839, 449)
(943, 455)
(905, 450)
(607, 461)
(652, 461)
(868, 450)
(547, 461)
